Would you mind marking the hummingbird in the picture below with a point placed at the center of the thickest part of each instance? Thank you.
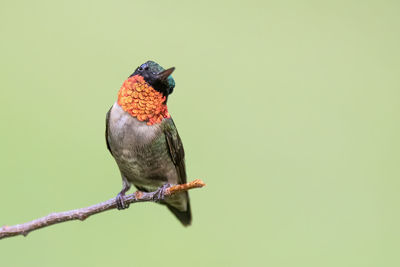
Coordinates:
(143, 139)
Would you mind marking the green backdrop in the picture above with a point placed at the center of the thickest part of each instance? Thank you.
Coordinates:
(288, 110)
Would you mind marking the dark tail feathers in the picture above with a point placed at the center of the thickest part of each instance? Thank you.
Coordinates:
(185, 217)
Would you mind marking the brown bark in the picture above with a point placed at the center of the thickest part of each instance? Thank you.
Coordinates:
(83, 213)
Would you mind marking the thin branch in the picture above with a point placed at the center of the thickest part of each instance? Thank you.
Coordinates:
(83, 213)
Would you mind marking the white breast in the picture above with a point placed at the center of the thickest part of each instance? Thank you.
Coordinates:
(126, 129)
(127, 136)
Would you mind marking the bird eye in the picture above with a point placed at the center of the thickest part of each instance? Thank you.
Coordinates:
(140, 69)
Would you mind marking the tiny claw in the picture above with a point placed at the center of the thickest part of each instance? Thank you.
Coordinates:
(121, 203)
(160, 193)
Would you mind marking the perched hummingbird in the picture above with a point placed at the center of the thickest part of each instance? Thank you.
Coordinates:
(143, 138)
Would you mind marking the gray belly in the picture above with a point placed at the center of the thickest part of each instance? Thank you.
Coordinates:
(140, 150)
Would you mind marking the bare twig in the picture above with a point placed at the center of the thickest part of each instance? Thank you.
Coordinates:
(83, 213)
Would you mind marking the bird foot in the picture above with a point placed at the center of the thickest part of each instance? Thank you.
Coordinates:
(161, 192)
(121, 203)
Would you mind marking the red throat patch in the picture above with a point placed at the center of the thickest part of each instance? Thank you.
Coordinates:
(142, 101)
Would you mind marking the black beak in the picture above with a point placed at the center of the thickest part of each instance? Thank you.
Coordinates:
(163, 75)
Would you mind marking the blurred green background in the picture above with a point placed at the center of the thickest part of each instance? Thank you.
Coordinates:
(288, 110)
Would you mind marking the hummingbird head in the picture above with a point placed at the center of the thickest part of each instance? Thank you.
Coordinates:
(144, 94)
(157, 77)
